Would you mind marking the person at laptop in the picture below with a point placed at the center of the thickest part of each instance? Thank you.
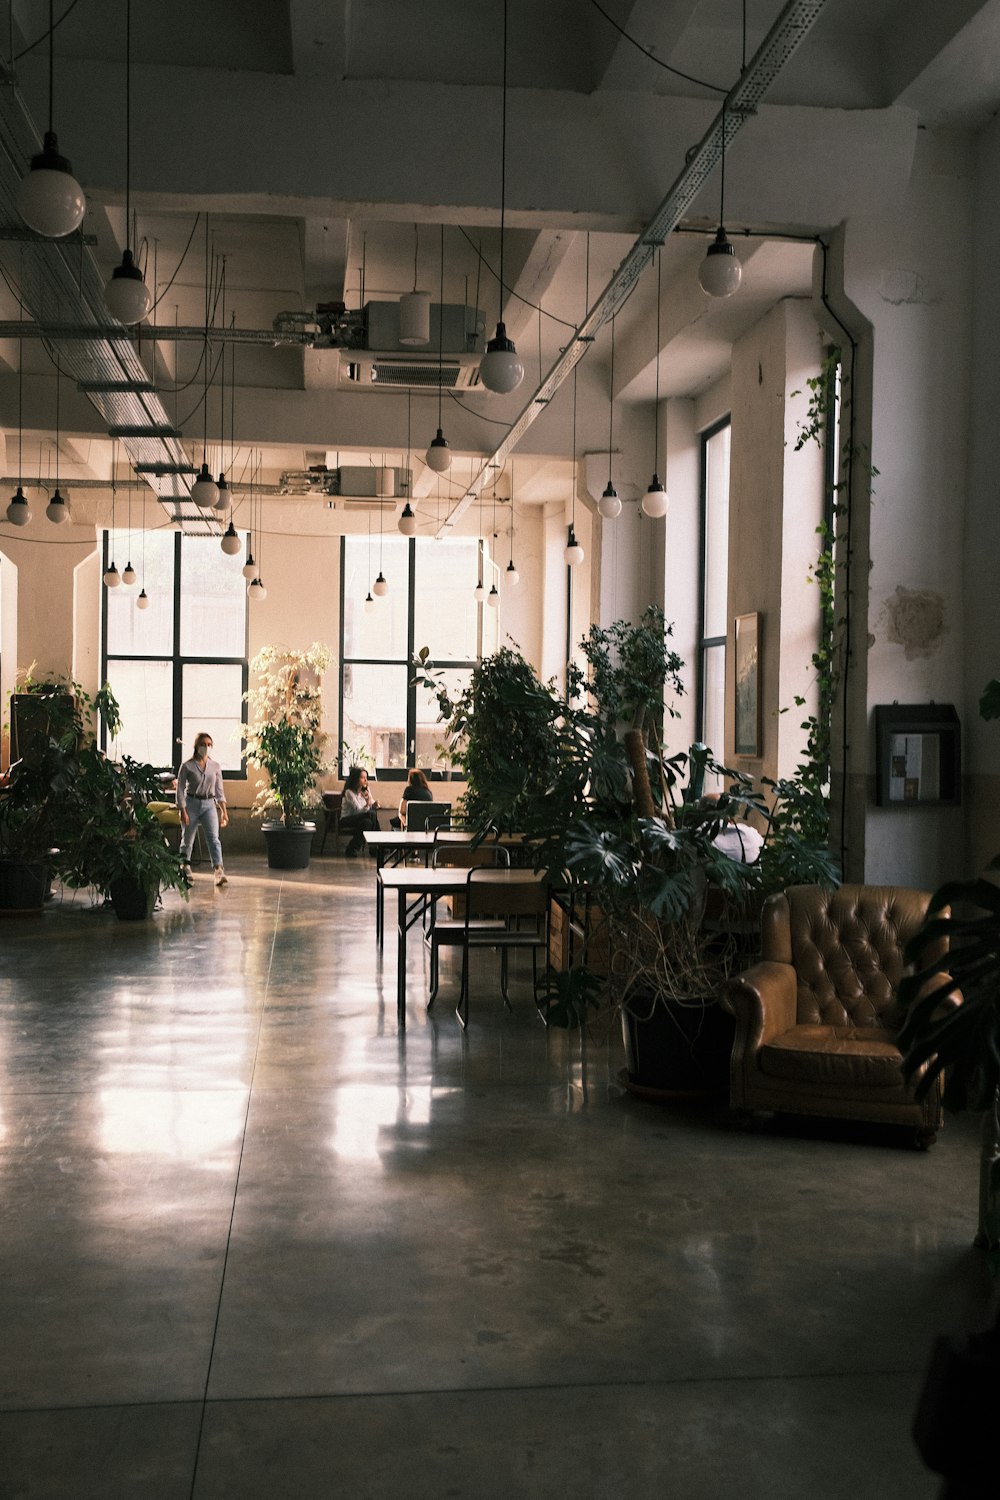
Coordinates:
(416, 790)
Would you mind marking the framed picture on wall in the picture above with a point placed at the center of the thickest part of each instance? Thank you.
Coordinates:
(746, 717)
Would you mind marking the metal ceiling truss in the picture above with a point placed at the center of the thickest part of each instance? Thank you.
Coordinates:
(785, 36)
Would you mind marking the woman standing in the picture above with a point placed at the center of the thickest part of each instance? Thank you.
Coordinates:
(358, 810)
(201, 799)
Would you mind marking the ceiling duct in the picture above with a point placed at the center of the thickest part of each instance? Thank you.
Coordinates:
(350, 483)
(60, 283)
(457, 345)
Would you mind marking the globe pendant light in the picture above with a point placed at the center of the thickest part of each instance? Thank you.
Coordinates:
(205, 491)
(223, 499)
(438, 455)
(256, 592)
(129, 575)
(57, 510)
(609, 504)
(407, 522)
(415, 307)
(369, 603)
(112, 577)
(720, 273)
(380, 586)
(654, 501)
(231, 543)
(142, 600)
(479, 592)
(250, 567)
(573, 552)
(49, 198)
(511, 574)
(18, 512)
(493, 597)
(126, 296)
(500, 369)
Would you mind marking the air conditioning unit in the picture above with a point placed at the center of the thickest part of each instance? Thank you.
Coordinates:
(457, 336)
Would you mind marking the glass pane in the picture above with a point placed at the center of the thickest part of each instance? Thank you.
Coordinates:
(213, 701)
(713, 718)
(142, 632)
(144, 690)
(716, 532)
(375, 713)
(381, 632)
(430, 729)
(444, 610)
(213, 600)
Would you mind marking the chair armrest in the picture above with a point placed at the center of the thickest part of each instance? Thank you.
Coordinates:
(762, 999)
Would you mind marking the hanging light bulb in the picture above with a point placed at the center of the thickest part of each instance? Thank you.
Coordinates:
(224, 499)
(573, 552)
(49, 198)
(250, 568)
(655, 502)
(720, 273)
(380, 587)
(231, 543)
(57, 510)
(511, 574)
(501, 369)
(204, 491)
(493, 597)
(369, 603)
(439, 453)
(129, 575)
(18, 513)
(142, 600)
(126, 296)
(479, 592)
(256, 592)
(112, 577)
(407, 522)
(610, 504)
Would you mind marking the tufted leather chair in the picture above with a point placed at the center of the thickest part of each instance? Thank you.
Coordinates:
(816, 1019)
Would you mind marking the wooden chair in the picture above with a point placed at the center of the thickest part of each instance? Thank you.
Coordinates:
(450, 932)
(332, 803)
(485, 905)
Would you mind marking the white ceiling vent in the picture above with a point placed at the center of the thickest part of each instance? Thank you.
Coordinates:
(395, 372)
(383, 363)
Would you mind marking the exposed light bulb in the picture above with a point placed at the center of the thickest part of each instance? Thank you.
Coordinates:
(655, 503)
(126, 296)
(129, 575)
(142, 600)
(439, 453)
(609, 504)
(511, 574)
(369, 603)
(720, 273)
(493, 597)
(231, 543)
(500, 369)
(250, 567)
(204, 491)
(224, 498)
(112, 577)
(18, 513)
(57, 510)
(573, 552)
(380, 587)
(407, 522)
(256, 592)
(49, 198)
(479, 592)
(415, 318)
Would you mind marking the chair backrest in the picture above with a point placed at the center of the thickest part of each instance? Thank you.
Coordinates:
(333, 801)
(846, 946)
(423, 815)
(490, 898)
(468, 856)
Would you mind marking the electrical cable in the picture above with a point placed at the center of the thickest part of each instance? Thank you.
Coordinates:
(703, 83)
(47, 33)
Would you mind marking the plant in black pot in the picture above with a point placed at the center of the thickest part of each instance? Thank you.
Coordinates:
(284, 739)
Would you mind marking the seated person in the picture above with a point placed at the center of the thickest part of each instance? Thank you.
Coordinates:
(359, 811)
(416, 790)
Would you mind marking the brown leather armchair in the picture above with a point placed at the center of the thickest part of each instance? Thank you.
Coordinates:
(816, 1019)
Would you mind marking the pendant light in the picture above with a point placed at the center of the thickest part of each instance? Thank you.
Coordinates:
(479, 592)
(127, 297)
(129, 575)
(49, 198)
(142, 598)
(18, 511)
(369, 603)
(720, 273)
(257, 593)
(57, 510)
(415, 307)
(380, 587)
(205, 491)
(573, 552)
(500, 369)
(511, 575)
(655, 502)
(112, 577)
(610, 504)
(231, 543)
(493, 597)
(250, 567)
(224, 499)
(439, 453)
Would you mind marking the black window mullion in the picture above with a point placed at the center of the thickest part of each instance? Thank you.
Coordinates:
(178, 672)
(411, 688)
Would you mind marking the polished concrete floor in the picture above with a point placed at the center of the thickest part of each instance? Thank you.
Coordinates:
(255, 1243)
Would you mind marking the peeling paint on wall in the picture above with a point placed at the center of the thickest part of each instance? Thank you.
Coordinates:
(915, 620)
(900, 286)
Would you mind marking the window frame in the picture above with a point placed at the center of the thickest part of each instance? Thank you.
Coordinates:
(714, 642)
(177, 661)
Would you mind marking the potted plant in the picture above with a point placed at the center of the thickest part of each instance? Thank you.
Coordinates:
(283, 739)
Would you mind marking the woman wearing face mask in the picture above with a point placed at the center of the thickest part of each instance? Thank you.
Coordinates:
(201, 798)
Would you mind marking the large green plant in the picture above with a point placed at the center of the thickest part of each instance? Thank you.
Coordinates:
(108, 835)
(283, 737)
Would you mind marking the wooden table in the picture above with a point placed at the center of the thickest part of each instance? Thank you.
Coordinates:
(416, 881)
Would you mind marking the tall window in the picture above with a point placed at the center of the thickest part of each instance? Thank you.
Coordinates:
(715, 586)
(179, 666)
(430, 602)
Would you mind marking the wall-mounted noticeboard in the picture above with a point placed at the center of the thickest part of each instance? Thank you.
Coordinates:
(919, 755)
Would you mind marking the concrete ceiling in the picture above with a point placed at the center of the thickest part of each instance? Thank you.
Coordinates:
(327, 143)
